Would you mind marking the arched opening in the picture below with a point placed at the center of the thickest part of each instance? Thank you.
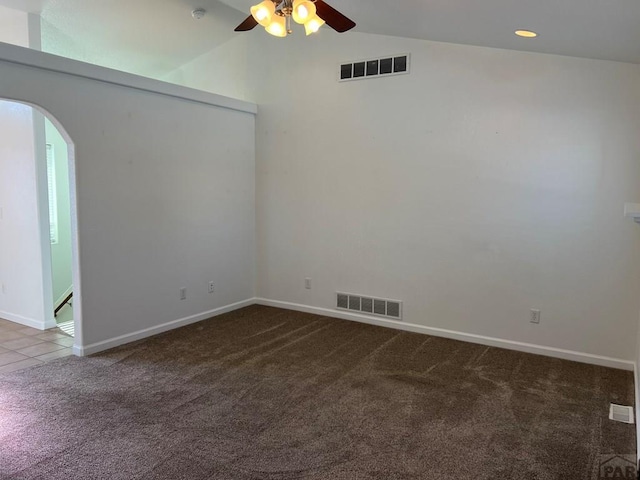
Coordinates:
(37, 160)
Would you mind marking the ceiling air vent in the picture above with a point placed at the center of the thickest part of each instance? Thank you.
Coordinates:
(377, 67)
(369, 305)
(621, 413)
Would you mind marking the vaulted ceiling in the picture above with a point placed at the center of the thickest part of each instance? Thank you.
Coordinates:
(156, 36)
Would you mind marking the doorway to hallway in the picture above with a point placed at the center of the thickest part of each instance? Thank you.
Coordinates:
(38, 226)
(58, 194)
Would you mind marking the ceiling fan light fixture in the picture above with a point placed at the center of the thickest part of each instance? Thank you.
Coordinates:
(313, 25)
(264, 12)
(277, 27)
(276, 17)
(303, 11)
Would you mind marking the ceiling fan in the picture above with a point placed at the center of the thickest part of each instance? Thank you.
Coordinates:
(276, 15)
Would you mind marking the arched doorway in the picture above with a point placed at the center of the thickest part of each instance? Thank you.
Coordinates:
(36, 147)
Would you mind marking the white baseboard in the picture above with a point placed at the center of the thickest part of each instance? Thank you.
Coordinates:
(637, 407)
(62, 297)
(27, 322)
(465, 337)
(437, 332)
(148, 332)
(50, 324)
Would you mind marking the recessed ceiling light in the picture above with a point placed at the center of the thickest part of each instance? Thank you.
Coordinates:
(526, 33)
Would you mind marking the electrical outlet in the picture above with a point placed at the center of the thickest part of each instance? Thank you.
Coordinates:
(535, 316)
(307, 283)
(183, 293)
(211, 288)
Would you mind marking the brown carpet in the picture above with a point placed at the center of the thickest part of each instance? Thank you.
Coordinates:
(264, 393)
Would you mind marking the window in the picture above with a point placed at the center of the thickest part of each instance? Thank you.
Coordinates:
(53, 198)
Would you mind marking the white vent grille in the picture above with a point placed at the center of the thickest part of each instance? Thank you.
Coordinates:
(376, 306)
(379, 307)
(621, 413)
(374, 68)
(343, 301)
(354, 303)
(367, 305)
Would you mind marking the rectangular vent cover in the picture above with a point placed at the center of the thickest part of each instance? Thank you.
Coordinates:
(377, 67)
(621, 413)
(376, 306)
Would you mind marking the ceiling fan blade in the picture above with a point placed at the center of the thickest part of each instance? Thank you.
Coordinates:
(247, 25)
(333, 17)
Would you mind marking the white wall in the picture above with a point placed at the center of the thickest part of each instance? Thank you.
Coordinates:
(61, 256)
(224, 70)
(484, 184)
(637, 390)
(21, 274)
(165, 193)
(20, 28)
(21, 282)
(14, 27)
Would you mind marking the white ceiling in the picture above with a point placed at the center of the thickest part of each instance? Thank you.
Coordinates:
(148, 37)
(603, 29)
(153, 37)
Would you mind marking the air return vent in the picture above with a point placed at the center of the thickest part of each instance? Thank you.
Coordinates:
(621, 413)
(374, 68)
(369, 305)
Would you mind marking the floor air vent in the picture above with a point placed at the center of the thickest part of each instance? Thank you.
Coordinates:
(621, 413)
(369, 305)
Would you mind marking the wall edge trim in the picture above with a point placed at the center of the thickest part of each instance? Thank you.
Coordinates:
(27, 322)
(553, 352)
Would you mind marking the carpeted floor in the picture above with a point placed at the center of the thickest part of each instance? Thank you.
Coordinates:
(264, 393)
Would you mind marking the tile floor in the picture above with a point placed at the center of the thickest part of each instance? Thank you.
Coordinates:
(22, 347)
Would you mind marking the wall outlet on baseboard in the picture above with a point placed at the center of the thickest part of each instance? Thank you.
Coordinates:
(535, 316)
(307, 283)
(183, 293)
(211, 287)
